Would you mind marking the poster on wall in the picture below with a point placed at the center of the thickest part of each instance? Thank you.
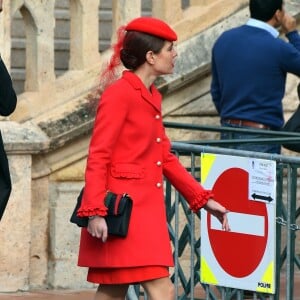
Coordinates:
(244, 257)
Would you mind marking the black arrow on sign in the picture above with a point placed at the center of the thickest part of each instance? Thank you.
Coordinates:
(261, 197)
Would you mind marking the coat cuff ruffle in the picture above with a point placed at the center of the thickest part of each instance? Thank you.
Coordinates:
(200, 200)
(87, 212)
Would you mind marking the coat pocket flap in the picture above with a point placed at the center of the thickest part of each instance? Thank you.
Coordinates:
(124, 170)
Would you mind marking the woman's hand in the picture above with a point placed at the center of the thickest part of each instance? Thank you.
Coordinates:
(219, 211)
(97, 227)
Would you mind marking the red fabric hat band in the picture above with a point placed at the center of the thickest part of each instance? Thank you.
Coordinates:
(152, 26)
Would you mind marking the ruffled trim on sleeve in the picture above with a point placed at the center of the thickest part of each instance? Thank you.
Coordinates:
(86, 212)
(200, 200)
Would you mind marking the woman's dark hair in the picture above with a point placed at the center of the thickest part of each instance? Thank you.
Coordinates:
(264, 10)
(135, 46)
(130, 49)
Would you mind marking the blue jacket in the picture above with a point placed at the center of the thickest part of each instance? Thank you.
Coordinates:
(249, 68)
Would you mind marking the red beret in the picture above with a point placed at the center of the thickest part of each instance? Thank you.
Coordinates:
(152, 26)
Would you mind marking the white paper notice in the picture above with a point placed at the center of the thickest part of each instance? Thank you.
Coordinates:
(262, 180)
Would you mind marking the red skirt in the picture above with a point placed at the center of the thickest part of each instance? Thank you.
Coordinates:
(126, 275)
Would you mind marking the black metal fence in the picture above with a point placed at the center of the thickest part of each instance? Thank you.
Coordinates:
(183, 224)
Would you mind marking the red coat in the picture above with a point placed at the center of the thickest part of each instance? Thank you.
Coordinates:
(129, 152)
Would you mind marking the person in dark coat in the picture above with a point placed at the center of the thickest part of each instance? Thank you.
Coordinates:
(8, 102)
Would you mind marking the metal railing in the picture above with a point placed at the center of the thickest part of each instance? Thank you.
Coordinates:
(183, 224)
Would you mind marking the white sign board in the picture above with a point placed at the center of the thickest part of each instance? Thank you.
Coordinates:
(243, 258)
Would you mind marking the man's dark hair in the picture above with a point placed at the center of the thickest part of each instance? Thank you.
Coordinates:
(264, 10)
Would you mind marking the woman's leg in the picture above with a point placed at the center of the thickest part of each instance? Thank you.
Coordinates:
(111, 292)
(159, 289)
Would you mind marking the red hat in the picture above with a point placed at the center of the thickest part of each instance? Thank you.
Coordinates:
(152, 26)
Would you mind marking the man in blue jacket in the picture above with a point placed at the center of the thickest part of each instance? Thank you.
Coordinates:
(8, 101)
(249, 68)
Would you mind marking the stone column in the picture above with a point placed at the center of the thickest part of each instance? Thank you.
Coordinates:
(170, 11)
(15, 228)
(5, 33)
(202, 2)
(84, 34)
(39, 25)
(124, 11)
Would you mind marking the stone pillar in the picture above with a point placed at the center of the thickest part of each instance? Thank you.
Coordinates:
(83, 34)
(202, 2)
(39, 22)
(170, 11)
(124, 11)
(15, 228)
(15, 233)
(5, 33)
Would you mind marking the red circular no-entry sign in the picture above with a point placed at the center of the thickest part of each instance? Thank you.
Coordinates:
(238, 254)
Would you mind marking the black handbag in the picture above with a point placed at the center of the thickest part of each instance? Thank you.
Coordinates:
(118, 213)
(293, 125)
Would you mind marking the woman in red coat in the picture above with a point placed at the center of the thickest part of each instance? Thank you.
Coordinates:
(130, 153)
